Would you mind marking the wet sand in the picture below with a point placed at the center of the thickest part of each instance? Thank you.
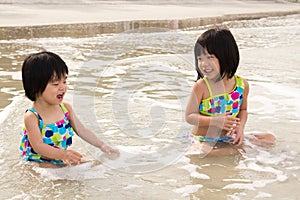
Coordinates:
(89, 18)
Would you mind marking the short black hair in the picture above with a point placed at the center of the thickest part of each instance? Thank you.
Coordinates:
(38, 70)
(221, 43)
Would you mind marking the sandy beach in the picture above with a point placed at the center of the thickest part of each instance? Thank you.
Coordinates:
(31, 14)
(27, 20)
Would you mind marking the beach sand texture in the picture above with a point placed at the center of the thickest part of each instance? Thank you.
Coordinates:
(54, 19)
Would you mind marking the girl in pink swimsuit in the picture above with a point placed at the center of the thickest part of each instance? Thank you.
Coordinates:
(218, 103)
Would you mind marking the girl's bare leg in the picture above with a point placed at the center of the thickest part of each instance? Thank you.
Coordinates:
(262, 139)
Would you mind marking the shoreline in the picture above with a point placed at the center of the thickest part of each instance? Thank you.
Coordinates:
(78, 30)
(24, 21)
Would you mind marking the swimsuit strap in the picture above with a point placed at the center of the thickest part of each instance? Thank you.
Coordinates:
(41, 123)
(239, 82)
(65, 110)
(208, 86)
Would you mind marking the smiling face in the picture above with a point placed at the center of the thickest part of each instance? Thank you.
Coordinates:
(220, 44)
(209, 65)
(41, 70)
(55, 90)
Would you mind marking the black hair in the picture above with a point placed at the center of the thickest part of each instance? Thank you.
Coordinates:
(38, 70)
(221, 43)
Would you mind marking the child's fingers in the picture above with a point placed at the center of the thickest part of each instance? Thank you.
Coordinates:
(72, 157)
(116, 151)
(231, 133)
(78, 155)
(68, 163)
(231, 123)
(238, 140)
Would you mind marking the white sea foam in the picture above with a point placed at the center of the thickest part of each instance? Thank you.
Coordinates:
(188, 189)
(243, 186)
(262, 195)
(20, 196)
(280, 176)
(172, 181)
(6, 111)
(131, 186)
(238, 180)
(199, 175)
(190, 167)
(159, 140)
(268, 158)
(78, 172)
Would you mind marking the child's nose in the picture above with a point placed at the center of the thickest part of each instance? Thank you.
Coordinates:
(62, 86)
(204, 62)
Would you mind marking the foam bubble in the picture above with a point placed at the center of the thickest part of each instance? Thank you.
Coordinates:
(263, 195)
(241, 186)
(199, 175)
(8, 109)
(190, 167)
(188, 189)
(268, 158)
(83, 171)
(131, 186)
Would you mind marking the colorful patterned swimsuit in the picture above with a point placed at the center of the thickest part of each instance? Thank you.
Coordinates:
(58, 135)
(220, 104)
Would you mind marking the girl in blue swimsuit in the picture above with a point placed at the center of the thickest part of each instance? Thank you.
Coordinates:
(50, 123)
(218, 103)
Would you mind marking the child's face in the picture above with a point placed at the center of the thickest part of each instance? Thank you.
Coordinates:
(209, 65)
(55, 90)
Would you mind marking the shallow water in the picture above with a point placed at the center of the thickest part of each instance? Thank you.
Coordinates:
(132, 88)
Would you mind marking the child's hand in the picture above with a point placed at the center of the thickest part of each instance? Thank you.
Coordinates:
(227, 122)
(239, 138)
(108, 150)
(71, 157)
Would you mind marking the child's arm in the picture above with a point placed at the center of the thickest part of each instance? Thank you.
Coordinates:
(192, 114)
(87, 134)
(47, 151)
(243, 115)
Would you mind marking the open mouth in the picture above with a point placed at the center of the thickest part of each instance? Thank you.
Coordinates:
(60, 97)
(207, 70)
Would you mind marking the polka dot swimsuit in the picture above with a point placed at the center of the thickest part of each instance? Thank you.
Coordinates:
(58, 135)
(219, 104)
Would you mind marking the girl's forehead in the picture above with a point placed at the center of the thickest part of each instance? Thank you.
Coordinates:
(56, 77)
(205, 53)
(203, 50)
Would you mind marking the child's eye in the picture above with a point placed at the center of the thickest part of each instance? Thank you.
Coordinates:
(210, 57)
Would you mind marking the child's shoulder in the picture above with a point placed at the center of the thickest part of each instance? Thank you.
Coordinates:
(242, 78)
(30, 116)
(199, 84)
(66, 105)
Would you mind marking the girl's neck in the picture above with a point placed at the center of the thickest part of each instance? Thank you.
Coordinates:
(222, 86)
(43, 106)
(228, 82)
(50, 113)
